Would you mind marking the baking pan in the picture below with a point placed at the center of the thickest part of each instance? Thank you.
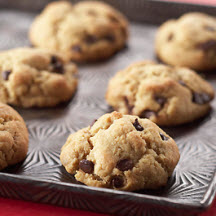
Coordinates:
(41, 177)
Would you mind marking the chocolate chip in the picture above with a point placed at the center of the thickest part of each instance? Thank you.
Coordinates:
(54, 60)
(77, 48)
(148, 113)
(125, 164)
(170, 37)
(207, 45)
(163, 137)
(110, 38)
(91, 12)
(6, 74)
(86, 166)
(137, 125)
(201, 98)
(160, 99)
(117, 181)
(57, 66)
(90, 39)
(113, 18)
(129, 107)
(182, 83)
(210, 28)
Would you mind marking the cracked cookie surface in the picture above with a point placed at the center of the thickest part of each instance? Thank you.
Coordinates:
(189, 41)
(121, 152)
(35, 78)
(86, 31)
(13, 137)
(166, 95)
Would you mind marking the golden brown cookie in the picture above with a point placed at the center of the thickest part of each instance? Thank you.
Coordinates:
(189, 41)
(13, 137)
(166, 95)
(86, 31)
(35, 78)
(121, 152)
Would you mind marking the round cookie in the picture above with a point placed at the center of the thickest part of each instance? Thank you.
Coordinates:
(13, 137)
(166, 95)
(121, 152)
(86, 31)
(35, 78)
(189, 41)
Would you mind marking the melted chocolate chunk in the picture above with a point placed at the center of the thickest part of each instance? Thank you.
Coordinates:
(148, 113)
(77, 48)
(137, 125)
(207, 45)
(210, 28)
(129, 107)
(91, 12)
(110, 38)
(170, 37)
(6, 74)
(90, 39)
(117, 181)
(160, 99)
(86, 166)
(57, 66)
(54, 60)
(182, 83)
(163, 137)
(201, 98)
(125, 164)
(113, 18)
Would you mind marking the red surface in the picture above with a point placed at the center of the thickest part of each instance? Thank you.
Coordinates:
(10, 207)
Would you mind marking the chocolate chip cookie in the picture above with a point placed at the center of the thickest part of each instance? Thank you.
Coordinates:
(13, 137)
(35, 78)
(121, 152)
(86, 31)
(188, 41)
(166, 95)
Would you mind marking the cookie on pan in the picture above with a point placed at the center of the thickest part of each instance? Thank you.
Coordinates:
(13, 137)
(121, 152)
(166, 95)
(189, 41)
(35, 78)
(86, 31)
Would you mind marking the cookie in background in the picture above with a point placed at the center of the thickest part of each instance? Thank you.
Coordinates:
(164, 94)
(189, 41)
(86, 31)
(35, 78)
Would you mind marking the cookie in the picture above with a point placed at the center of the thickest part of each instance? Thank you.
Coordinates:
(35, 78)
(13, 137)
(86, 31)
(189, 41)
(166, 95)
(121, 152)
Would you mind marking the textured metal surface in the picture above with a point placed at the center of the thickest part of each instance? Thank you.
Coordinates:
(152, 11)
(41, 177)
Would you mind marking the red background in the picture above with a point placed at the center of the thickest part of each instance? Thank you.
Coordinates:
(10, 207)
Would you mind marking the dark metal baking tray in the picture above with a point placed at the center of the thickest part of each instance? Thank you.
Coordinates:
(41, 178)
